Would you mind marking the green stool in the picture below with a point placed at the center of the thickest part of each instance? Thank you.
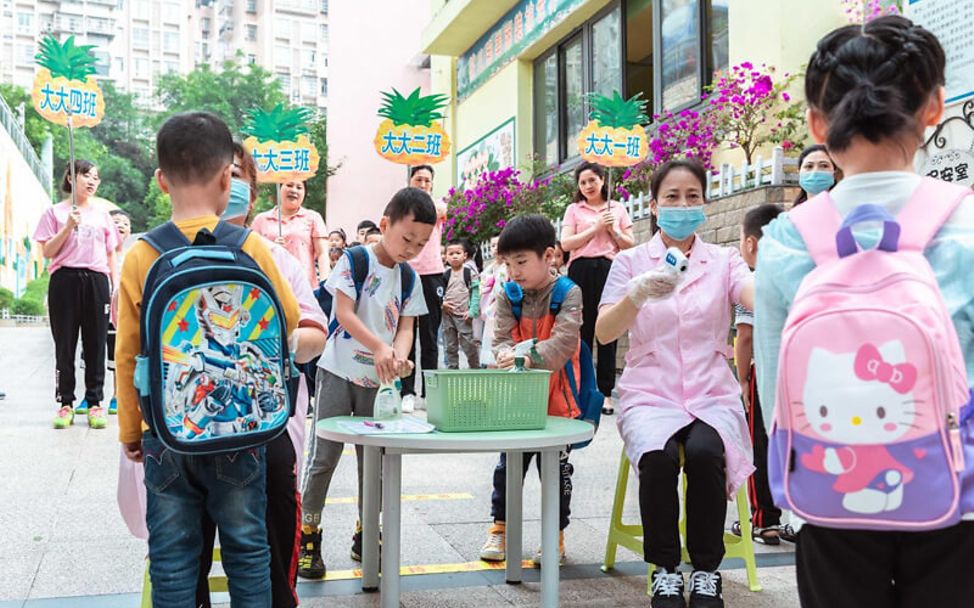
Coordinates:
(218, 584)
(630, 535)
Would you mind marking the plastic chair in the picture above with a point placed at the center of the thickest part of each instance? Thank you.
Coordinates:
(630, 536)
(218, 584)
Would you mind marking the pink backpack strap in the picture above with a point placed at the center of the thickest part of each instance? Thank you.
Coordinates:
(817, 221)
(932, 204)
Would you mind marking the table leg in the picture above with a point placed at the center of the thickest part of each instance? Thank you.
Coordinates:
(550, 482)
(371, 488)
(515, 518)
(391, 490)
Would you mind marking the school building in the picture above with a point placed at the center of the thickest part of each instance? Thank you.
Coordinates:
(518, 72)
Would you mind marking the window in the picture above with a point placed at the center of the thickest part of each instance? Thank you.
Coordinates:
(251, 32)
(308, 30)
(140, 37)
(282, 55)
(140, 9)
(252, 7)
(171, 66)
(607, 53)
(324, 6)
(285, 80)
(324, 87)
(25, 54)
(589, 60)
(284, 29)
(309, 86)
(689, 56)
(205, 25)
(25, 23)
(323, 33)
(170, 42)
(103, 62)
(251, 59)
(640, 39)
(308, 59)
(140, 67)
(171, 12)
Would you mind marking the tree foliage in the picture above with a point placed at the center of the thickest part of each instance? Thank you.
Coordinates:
(123, 144)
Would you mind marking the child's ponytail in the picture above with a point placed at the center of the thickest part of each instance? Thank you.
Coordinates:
(871, 80)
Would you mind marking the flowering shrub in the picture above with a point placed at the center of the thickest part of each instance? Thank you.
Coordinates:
(864, 11)
(481, 211)
(753, 110)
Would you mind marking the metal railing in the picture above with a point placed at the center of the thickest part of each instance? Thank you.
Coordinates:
(8, 118)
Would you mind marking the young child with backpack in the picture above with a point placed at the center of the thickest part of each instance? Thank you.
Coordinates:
(211, 380)
(461, 305)
(765, 516)
(863, 334)
(376, 299)
(524, 311)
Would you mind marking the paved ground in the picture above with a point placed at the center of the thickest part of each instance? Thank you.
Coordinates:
(62, 542)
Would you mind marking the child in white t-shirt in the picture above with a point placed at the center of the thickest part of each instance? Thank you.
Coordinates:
(369, 347)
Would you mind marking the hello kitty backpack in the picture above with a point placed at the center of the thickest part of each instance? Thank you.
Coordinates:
(871, 379)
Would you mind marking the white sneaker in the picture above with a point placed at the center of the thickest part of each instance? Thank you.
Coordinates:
(408, 404)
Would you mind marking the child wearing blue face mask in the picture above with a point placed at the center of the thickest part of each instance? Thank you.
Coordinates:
(677, 389)
(816, 172)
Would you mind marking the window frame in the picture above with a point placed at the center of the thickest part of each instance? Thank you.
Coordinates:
(584, 32)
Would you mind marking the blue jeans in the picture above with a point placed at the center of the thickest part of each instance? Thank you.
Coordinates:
(230, 488)
(498, 499)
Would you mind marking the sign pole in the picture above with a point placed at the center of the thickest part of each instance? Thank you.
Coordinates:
(280, 214)
(74, 182)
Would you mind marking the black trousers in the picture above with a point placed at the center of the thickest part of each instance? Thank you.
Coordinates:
(78, 299)
(434, 286)
(498, 500)
(590, 275)
(858, 568)
(706, 499)
(764, 513)
(283, 528)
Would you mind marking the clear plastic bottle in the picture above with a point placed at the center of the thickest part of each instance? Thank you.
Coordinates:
(388, 401)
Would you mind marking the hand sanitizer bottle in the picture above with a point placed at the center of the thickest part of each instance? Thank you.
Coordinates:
(388, 402)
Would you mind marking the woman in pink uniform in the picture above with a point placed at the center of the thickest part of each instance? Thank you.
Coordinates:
(595, 229)
(677, 388)
(301, 231)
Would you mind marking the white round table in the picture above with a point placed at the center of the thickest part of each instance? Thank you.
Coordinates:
(388, 449)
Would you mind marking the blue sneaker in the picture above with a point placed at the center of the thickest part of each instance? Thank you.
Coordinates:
(82, 407)
(113, 407)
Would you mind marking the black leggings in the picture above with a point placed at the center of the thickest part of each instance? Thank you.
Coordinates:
(706, 499)
(857, 568)
(78, 299)
(590, 275)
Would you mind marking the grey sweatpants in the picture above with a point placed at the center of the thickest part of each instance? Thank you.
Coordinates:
(456, 330)
(334, 396)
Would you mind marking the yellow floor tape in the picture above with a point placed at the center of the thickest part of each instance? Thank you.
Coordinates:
(478, 566)
(350, 500)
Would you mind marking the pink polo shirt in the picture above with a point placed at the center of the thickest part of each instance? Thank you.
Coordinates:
(299, 231)
(430, 258)
(88, 246)
(581, 217)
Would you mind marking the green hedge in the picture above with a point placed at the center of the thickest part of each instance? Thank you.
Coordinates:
(6, 299)
(29, 306)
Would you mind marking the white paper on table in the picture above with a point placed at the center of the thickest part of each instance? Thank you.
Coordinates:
(403, 426)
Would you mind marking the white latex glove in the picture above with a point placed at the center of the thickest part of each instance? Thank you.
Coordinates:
(652, 285)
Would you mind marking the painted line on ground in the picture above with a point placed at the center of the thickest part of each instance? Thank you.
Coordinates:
(351, 500)
(491, 575)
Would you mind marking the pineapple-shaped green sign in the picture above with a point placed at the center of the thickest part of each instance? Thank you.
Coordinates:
(279, 143)
(64, 87)
(615, 137)
(411, 133)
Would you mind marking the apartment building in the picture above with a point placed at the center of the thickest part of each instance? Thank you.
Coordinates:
(139, 40)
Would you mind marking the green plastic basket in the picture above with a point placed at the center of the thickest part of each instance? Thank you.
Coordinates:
(486, 400)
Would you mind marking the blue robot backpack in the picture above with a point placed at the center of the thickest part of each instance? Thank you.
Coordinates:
(215, 373)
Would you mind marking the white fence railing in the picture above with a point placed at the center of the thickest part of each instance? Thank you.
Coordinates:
(5, 315)
(779, 170)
